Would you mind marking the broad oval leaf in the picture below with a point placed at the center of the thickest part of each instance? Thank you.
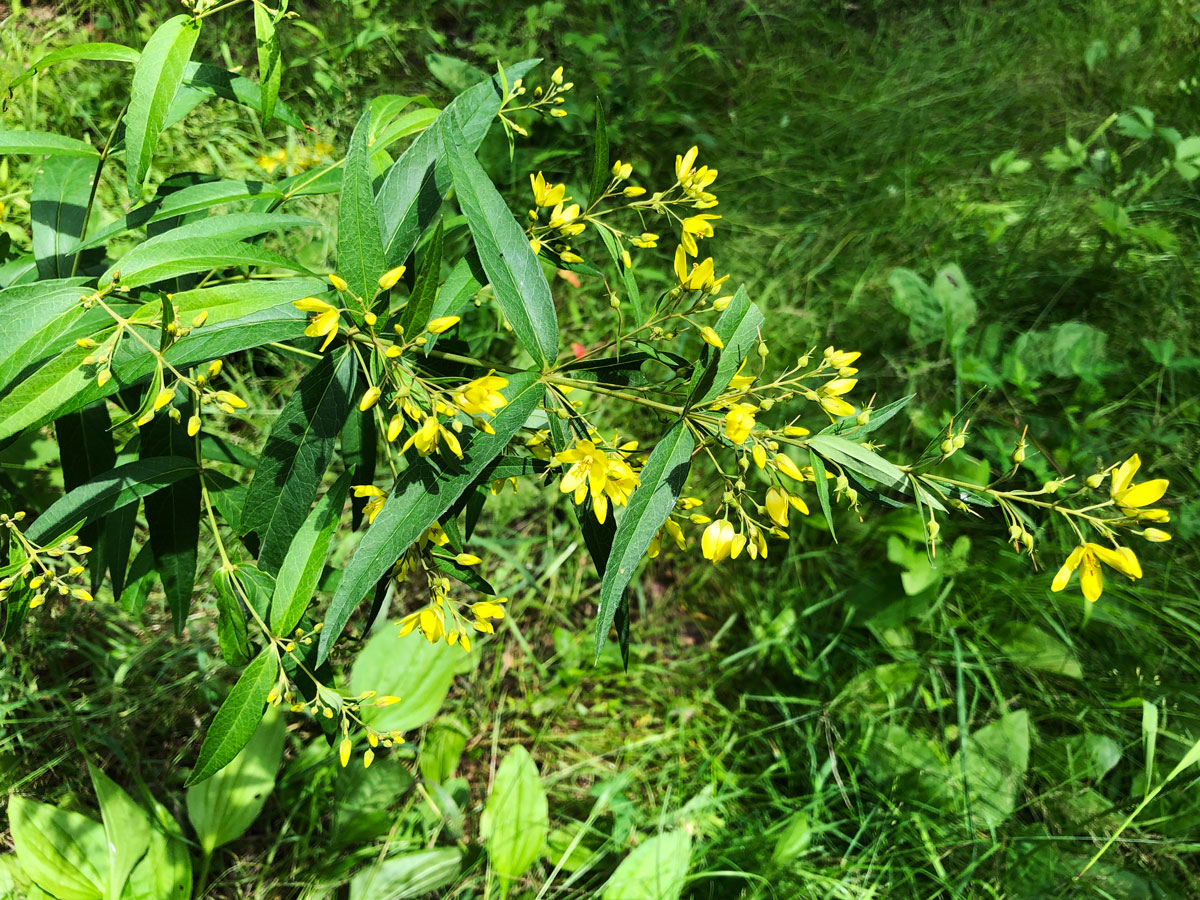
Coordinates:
(155, 81)
(58, 849)
(222, 807)
(108, 492)
(360, 258)
(150, 262)
(516, 816)
(408, 875)
(516, 275)
(662, 478)
(422, 493)
(238, 718)
(43, 143)
(411, 668)
(655, 870)
(305, 559)
(165, 872)
(127, 828)
(296, 455)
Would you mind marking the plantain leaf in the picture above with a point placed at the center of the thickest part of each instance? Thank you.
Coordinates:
(58, 849)
(173, 515)
(516, 817)
(61, 189)
(662, 478)
(422, 493)
(108, 492)
(43, 143)
(516, 275)
(99, 51)
(165, 872)
(238, 718)
(360, 259)
(413, 189)
(151, 262)
(655, 870)
(223, 806)
(296, 455)
(127, 828)
(305, 560)
(270, 59)
(416, 670)
(156, 78)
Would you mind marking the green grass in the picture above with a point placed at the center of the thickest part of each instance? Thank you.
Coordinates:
(852, 139)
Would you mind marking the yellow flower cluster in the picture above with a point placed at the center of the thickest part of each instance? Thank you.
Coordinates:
(41, 572)
(295, 159)
(603, 475)
(441, 619)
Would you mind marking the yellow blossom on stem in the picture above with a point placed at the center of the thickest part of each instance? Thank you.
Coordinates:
(324, 321)
(710, 336)
(389, 278)
(717, 540)
(1131, 497)
(442, 324)
(482, 396)
(1087, 559)
(546, 194)
(739, 422)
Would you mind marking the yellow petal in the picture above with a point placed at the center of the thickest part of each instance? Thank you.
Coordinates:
(1091, 580)
(1142, 494)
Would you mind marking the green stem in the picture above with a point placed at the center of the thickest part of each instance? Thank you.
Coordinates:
(87, 210)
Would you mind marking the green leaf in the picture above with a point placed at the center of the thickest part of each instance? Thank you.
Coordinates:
(418, 311)
(600, 170)
(364, 799)
(413, 190)
(58, 849)
(516, 275)
(202, 81)
(418, 672)
(99, 51)
(997, 756)
(1030, 646)
(516, 816)
(61, 188)
(296, 455)
(42, 143)
(661, 480)
(109, 492)
(232, 227)
(127, 828)
(34, 316)
(424, 491)
(738, 327)
(231, 619)
(305, 559)
(794, 840)
(270, 59)
(821, 483)
(408, 875)
(165, 872)
(222, 807)
(859, 460)
(849, 427)
(655, 870)
(151, 262)
(224, 302)
(85, 449)
(238, 718)
(360, 259)
(156, 78)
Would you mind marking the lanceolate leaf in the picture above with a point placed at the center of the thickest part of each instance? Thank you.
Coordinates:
(297, 454)
(155, 80)
(34, 316)
(236, 720)
(859, 460)
(662, 478)
(151, 262)
(600, 170)
(820, 482)
(236, 226)
(61, 189)
(108, 492)
(270, 60)
(202, 81)
(224, 302)
(99, 51)
(173, 515)
(413, 190)
(417, 312)
(305, 559)
(422, 493)
(360, 248)
(515, 273)
(41, 143)
(738, 329)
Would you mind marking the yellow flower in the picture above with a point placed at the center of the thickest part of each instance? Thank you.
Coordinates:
(482, 396)
(369, 398)
(588, 474)
(839, 359)
(830, 395)
(711, 337)
(389, 278)
(739, 422)
(427, 437)
(324, 321)
(785, 465)
(344, 751)
(1156, 535)
(1087, 559)
(442, 324)
(1129, 496)
(683, 164)
(338, 282)
(717, 540)
(545, 194)
(375, 504)
(777, 506)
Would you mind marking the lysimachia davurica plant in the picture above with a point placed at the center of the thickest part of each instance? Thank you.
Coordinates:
(435, 376)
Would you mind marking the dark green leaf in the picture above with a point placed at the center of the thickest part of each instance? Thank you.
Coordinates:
(231, 619)
(600, 171)
(270, 59)
(61, 188)
(109, 492)
(85, 449)
(821, 483)
(418, 311)
(201, 81)
(738, 328)
(360, 259)
(173, 515)
(147, 263)
(661, 480)
(41, 143)
(157, 76)
(296, 455)
(422, 493)
(413, 190)
(238, 718)
(516, 275)
(302, 566)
